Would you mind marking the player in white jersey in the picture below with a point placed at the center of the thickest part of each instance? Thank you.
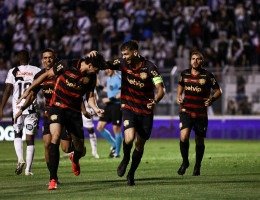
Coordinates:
(89, 125)
(18, 79)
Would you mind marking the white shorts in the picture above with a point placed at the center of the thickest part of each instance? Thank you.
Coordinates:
(27, 124)
(87, 123)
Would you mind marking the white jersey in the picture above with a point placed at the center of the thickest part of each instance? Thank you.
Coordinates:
(21, 78)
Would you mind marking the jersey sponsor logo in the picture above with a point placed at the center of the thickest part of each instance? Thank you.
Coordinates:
(70, 84)
(54, 117)
(22, 74)
(126, 123)
(202, 81)
(135, 82)
(143, 75)
(115, 62)
(29, 127)
(59, 67)
(48, 91)
(193, 89)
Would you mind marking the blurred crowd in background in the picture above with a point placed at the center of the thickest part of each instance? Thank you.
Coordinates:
(227, 31)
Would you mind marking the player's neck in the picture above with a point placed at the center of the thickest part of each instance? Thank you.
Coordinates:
(195, 72)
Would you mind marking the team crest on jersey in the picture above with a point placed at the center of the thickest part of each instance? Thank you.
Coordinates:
(115, 62)
(202, 81)
(85, 80)
(54, 117)
(143, 75)
(126, 123)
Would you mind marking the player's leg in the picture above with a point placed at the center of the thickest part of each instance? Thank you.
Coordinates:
(118, 139)
(56, 125)
(185, 124)
(143, 126)
(30, 129)
(74, 127)
(106, 134)
(200, 133)
(129, 136)
(89, 125)
(18, 145)
(93, 142)
(117, 121)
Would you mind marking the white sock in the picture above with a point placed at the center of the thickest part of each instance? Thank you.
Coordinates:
(93, 143)
(18, 146)
(29, 157)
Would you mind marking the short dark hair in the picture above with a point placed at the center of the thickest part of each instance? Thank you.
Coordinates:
(130, 45)
(97, 61)
(196, 52)
(24, 55)
(49, 50)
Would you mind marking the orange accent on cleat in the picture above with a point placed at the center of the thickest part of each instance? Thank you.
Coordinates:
(52, 184)
(75, 166)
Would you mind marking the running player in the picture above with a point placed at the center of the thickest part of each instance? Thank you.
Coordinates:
(196, 83)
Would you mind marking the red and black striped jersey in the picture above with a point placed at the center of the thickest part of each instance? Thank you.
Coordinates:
(47, 87)
(137, 88)
(196, 90)
(71, 85)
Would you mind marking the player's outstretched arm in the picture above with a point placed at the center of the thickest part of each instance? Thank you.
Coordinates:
(28, 101)
(216, 94)
(93, 104)
(35, 83)
(84, 111)
(159, 94)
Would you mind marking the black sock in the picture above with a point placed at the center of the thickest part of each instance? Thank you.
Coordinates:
(199, 154)
(136, 159)
(184, 148)
(127, 150)
(77, 156)
(48, 165)
(54, 155)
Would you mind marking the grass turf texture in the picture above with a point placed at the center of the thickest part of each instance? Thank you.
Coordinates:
(230, 170)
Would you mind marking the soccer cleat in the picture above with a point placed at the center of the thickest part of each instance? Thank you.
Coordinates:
(112, 152)
(95, 155)
(52, 184)
(122, 167)
(183, 168)
(19, 167)
(130, 180)
(28, 174)
(196, 171)
(75, 166)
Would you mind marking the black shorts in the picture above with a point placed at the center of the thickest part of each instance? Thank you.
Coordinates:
(46, 127)
(143, 124)
(113, 114)
(68, 119)
(198, 124)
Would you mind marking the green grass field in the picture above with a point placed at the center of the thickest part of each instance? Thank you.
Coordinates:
(230, 170)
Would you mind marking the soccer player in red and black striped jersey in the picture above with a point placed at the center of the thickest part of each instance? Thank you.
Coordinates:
(197, 89)
(74, 79)
(48, 61)
(141, 89)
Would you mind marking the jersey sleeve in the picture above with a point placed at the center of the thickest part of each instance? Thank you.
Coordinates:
(10, 77)
(114, 64)
(60, 67)
(154, 74)
(38, 88)
(181, 80)
(213, 82)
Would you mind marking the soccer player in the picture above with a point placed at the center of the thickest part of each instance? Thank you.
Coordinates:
(75, 79)
(48, 60)
(112, 112)
(18, 79)
(194, 95)
(141, 89)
